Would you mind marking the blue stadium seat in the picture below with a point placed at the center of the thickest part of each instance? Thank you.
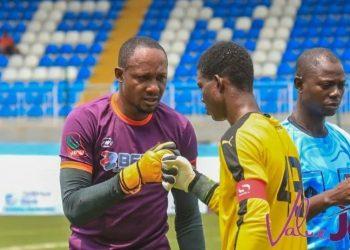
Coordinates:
(101, 36)
(34, 98)
(64, 26)
(92, 25)
(3, 61)
(46, 61)
(60, 61)
(64, 110)
(184, 108)
(89, 61)
(79, 26)
(52, 49)
(10, 99)
(285, 69)
(75, 60)
(96, 48)
(66, 49)
(7, 111)
(81, 48)
(70, 15)
(182, 96)
(84, 73)
(106, 25)
(84, 15)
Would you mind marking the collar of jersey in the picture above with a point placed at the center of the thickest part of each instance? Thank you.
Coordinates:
(302, 129)
(123, 117)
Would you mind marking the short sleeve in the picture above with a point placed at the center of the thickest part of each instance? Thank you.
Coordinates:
(77, 142)
(188, 144)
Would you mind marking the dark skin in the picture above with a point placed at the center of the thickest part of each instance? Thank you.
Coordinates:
(142, 82)
(223, 100)
(320, 91)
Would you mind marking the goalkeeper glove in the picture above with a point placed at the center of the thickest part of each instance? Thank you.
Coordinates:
(147, 169)
(177, 172)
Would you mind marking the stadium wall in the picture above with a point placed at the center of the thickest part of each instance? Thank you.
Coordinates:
(30, 184)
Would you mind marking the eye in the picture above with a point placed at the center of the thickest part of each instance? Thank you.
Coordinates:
(161, 79)
(342, 85)
(326, 85)
(142, 78)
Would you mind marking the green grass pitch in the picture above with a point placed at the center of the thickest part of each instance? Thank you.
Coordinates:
(51, 232)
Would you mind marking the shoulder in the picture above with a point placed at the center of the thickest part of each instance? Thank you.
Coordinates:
(171, 117)
(91, 109)
(252, 127)
(333, 127)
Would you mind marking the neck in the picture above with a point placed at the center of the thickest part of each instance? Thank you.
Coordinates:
(240, 104)
(128, 110)
(312, 123)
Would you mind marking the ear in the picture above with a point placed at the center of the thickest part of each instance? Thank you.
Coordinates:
(118, 72)
(220, 85)
(298, 83)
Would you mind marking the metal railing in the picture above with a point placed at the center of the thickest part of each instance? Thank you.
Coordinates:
(272, 97)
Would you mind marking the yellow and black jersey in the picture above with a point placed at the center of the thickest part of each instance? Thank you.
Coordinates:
(257, 149)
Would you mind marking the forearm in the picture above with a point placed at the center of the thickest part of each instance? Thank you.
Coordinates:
(319, 203)
(206, 190)
(83, 202)
(188, 222)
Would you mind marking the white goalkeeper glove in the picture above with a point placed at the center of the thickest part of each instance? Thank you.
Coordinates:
(177, 172)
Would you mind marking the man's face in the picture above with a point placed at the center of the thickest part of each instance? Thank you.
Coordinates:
(211, 97)
(322, 88)
(143, 80)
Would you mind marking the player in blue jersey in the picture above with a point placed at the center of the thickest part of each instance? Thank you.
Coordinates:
(324, 148)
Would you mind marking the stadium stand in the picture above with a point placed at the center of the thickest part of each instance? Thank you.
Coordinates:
(62, 42)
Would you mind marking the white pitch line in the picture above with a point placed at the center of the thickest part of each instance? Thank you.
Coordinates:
(49, 245)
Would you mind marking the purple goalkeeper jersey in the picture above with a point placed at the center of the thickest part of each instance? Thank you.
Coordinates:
(99, 139)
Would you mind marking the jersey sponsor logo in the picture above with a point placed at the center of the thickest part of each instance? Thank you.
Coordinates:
(106, 142)
(74, 145)
(116, 161)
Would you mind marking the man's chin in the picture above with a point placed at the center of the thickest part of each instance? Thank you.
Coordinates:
(149, 109)
(330, 111)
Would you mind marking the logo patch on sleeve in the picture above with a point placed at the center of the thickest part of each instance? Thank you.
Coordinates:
(74, 145)
(106, 142)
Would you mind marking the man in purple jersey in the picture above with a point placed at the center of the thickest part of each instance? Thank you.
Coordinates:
(106, 143)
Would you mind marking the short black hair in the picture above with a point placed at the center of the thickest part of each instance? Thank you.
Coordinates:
(228, 59)
(311, 58)
(128, 48)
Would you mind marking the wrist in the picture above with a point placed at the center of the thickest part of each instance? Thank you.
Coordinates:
(329, 198)
(194, 180)
(129, 179)
(202, 187)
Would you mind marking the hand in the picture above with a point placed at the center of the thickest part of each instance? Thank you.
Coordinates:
(340, 195)
(177, 172)
(147, 169)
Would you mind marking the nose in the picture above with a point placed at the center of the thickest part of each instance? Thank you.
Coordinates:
(336, 92)
(153, 88)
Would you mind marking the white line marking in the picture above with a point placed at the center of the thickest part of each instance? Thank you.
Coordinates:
(49, 245)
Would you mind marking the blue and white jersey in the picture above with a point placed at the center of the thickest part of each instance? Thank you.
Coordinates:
(325, 162)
